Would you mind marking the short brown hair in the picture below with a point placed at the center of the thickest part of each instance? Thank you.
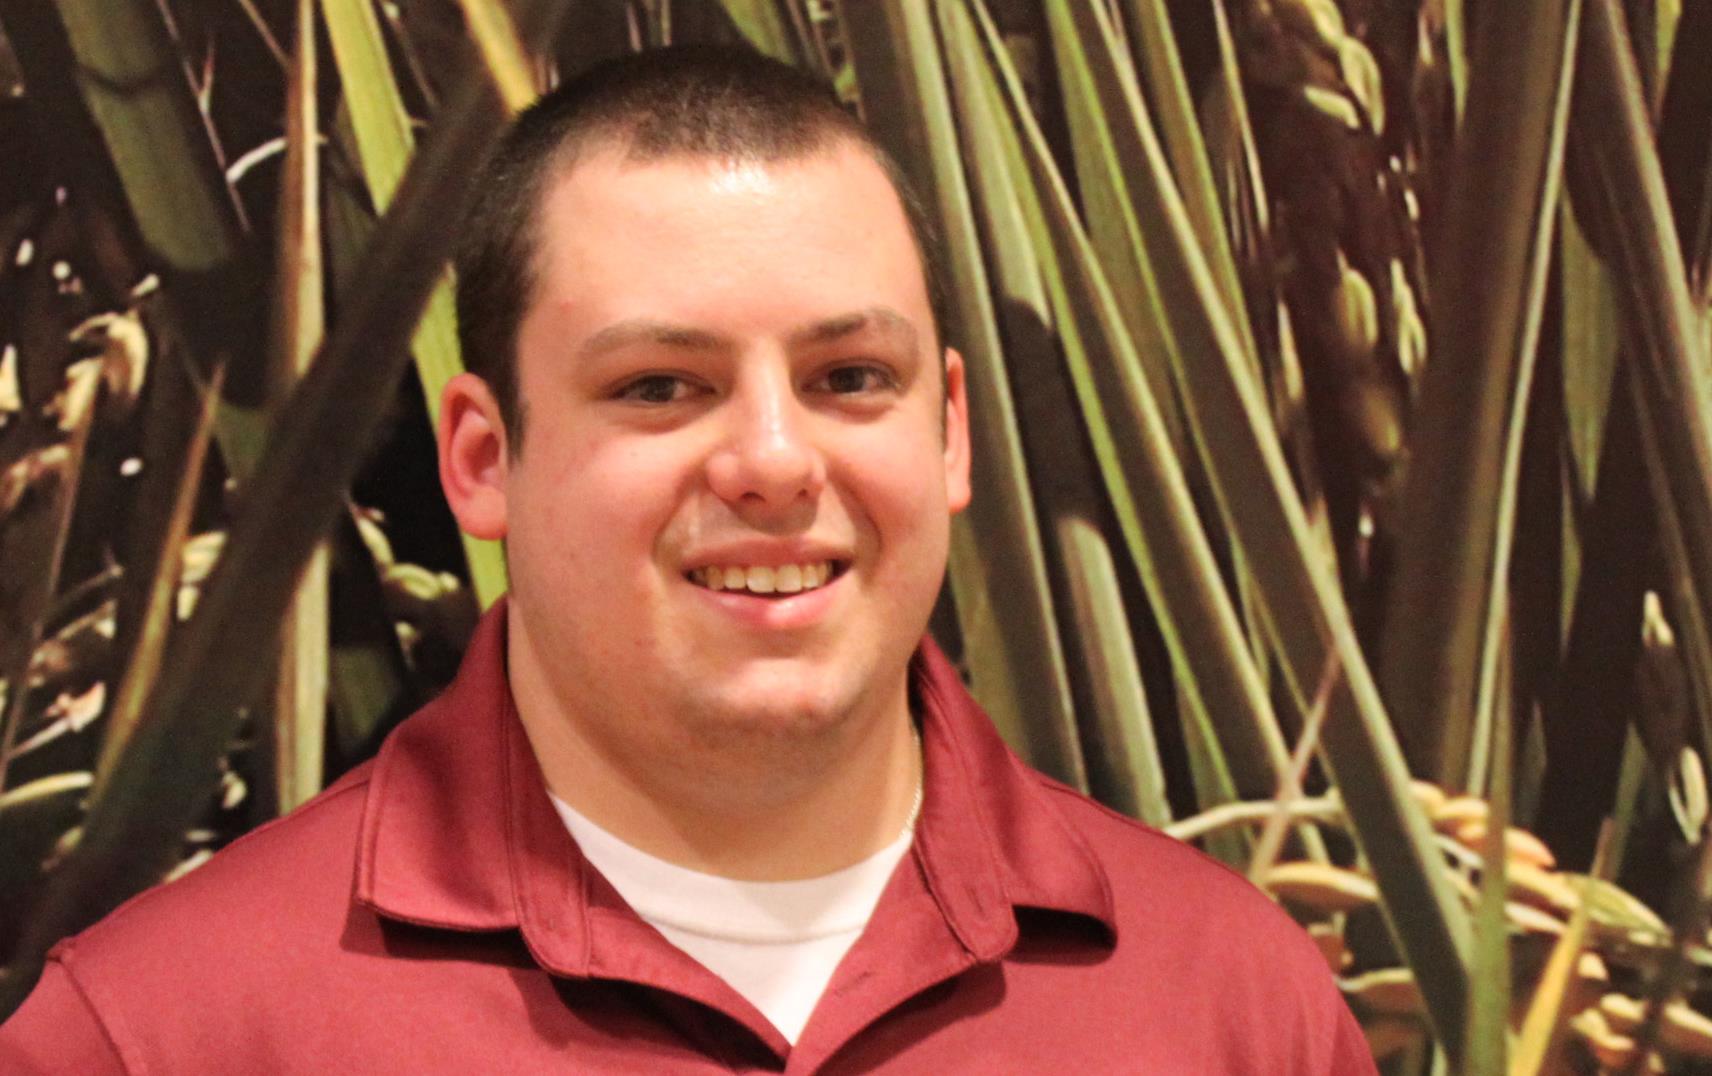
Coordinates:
(696, 101)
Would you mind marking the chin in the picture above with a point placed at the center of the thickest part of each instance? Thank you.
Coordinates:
(772, 707)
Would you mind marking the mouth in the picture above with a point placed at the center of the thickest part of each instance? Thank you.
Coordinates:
(768, 581)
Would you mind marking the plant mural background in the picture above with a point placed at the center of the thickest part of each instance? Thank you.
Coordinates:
(1343, 410)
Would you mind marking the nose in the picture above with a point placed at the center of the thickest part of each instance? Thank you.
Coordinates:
(767, 458)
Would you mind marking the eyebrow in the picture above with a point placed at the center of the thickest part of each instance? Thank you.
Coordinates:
(631, 331)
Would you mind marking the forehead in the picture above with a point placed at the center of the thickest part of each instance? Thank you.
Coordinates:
(693, 236)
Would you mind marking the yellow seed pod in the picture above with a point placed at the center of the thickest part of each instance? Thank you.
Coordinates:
(82, 384)
(1531, 920)
(379, 545)
(1592, 981)
(11, 396)
(1411, 330)
(1294, 387)
(1333, 104)
(1686, 1031)
(1387, 991)
(1519, 845)
(1590, 968)
(1430, 796)
(413, 582)
(1524, 847)
(1622, 1012)
(1456, 811)
(1361, 74)
(198, 556)
(1318, 21)
(1373, 413)
(1656, 632)
(1541, 888)
(1613, 1050)
(124, 345)
(1689, 802)
(1321, 887)
(1356, 312)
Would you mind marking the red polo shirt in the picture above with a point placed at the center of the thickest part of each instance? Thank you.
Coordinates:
(430, 913)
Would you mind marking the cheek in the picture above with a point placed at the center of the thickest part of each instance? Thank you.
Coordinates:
(900, 482)
(594, 508)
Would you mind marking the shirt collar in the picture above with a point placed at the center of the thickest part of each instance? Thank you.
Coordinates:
(458, 831)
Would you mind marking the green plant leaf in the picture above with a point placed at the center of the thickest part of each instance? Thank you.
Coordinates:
(1542, 1027)
(1004, 602)
(384, 146)
(138, 92)
(1124, 767)
(766, 27)
(1486, 1038)
(35, 544)
(1298, 590)
(1173, 109)
(1684, 138)
(34, 818)
(1456, 516)
(1670, 371)
(139, 95)
(130, 706)
(496, 36)
(135, 826)
(1144, 476)
(300, 691)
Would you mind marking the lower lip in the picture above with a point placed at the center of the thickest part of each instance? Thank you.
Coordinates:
(796, 611)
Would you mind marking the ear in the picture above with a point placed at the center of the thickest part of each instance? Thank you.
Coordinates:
(473, 457)
(957, 491)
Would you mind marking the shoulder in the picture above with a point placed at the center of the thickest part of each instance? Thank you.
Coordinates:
(262, 898)
(1227, 954)
(1157, 875)
(1176, 907)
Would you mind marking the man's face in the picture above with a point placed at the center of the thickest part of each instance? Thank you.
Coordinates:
(730, 514)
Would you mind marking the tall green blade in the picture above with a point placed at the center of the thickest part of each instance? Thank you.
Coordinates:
(135, 827)
(143, 665)
(36, 543)
(384, 145)
(1161, 69)
(1487, 1035)
(1488, 294)
(1198, 618)
(139, 94)
(998, 569)
(300, 693)
(766, 27)
(1301, 604)
(496, 36)
(137, 91)
(1671, 376)
(1100, 91)
(1685, 136)
(1123, 763)
(1126, 770)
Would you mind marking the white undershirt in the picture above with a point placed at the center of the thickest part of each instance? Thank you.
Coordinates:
(776, 943)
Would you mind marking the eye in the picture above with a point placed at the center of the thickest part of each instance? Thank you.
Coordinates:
(655, 389)
(855, 379)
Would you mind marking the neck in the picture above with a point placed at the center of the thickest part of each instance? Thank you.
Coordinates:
(751, 807)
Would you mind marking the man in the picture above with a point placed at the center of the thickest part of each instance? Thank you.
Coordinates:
(701, 799)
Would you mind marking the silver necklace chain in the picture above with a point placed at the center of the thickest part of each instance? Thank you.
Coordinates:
(920, 782)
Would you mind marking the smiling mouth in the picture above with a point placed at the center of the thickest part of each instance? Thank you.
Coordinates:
(773, 582)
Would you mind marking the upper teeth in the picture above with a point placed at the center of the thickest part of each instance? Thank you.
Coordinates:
(783, 579)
